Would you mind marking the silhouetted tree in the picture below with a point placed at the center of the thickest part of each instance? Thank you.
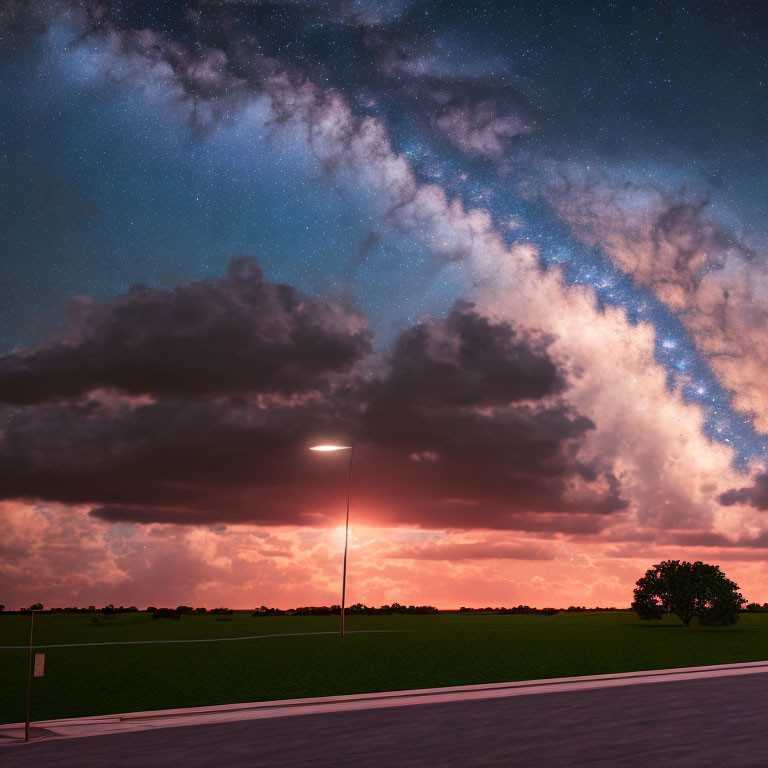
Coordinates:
(688, 590)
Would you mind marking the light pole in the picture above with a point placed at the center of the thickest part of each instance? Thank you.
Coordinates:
(351, 449)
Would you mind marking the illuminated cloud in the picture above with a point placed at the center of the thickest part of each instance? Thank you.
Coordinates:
(700, 269)
(482, 550)
(472, 105)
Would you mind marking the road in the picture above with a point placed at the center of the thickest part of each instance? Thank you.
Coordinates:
(717, 721)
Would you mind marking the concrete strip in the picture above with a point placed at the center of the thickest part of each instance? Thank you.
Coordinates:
(172, 718)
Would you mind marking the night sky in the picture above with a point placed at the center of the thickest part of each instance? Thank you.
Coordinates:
(515, 251)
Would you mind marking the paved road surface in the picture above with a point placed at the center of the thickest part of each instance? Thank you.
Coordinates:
(711, 722)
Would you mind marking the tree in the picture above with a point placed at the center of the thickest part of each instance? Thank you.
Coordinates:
(688, 590)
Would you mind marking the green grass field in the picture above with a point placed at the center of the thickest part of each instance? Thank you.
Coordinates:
(438, 650)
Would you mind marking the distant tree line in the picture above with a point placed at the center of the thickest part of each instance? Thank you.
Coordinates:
(189, 610)
(186, 610)
(107, 609)
(110, 609)
(527, 609)
(358, 609)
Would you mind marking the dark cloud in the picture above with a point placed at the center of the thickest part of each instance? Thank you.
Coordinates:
(467, 360)
(197, 405)
(466, 417)
(190, 460)
(712, 539)
(235, 334)
(755, 495)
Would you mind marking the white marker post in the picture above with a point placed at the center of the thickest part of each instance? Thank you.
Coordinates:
(35, 670)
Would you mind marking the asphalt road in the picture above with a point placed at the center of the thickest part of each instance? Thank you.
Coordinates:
(712, 722)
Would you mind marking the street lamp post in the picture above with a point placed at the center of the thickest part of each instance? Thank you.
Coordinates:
(351, 449)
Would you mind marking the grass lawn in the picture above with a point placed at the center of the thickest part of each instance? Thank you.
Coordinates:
(437, 650)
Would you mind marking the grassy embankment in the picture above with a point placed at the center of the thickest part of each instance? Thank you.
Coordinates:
(444, 649)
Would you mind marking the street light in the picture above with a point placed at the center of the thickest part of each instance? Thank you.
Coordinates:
(351, 449)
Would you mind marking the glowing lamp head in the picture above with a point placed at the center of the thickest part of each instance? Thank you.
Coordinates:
(325, 448)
